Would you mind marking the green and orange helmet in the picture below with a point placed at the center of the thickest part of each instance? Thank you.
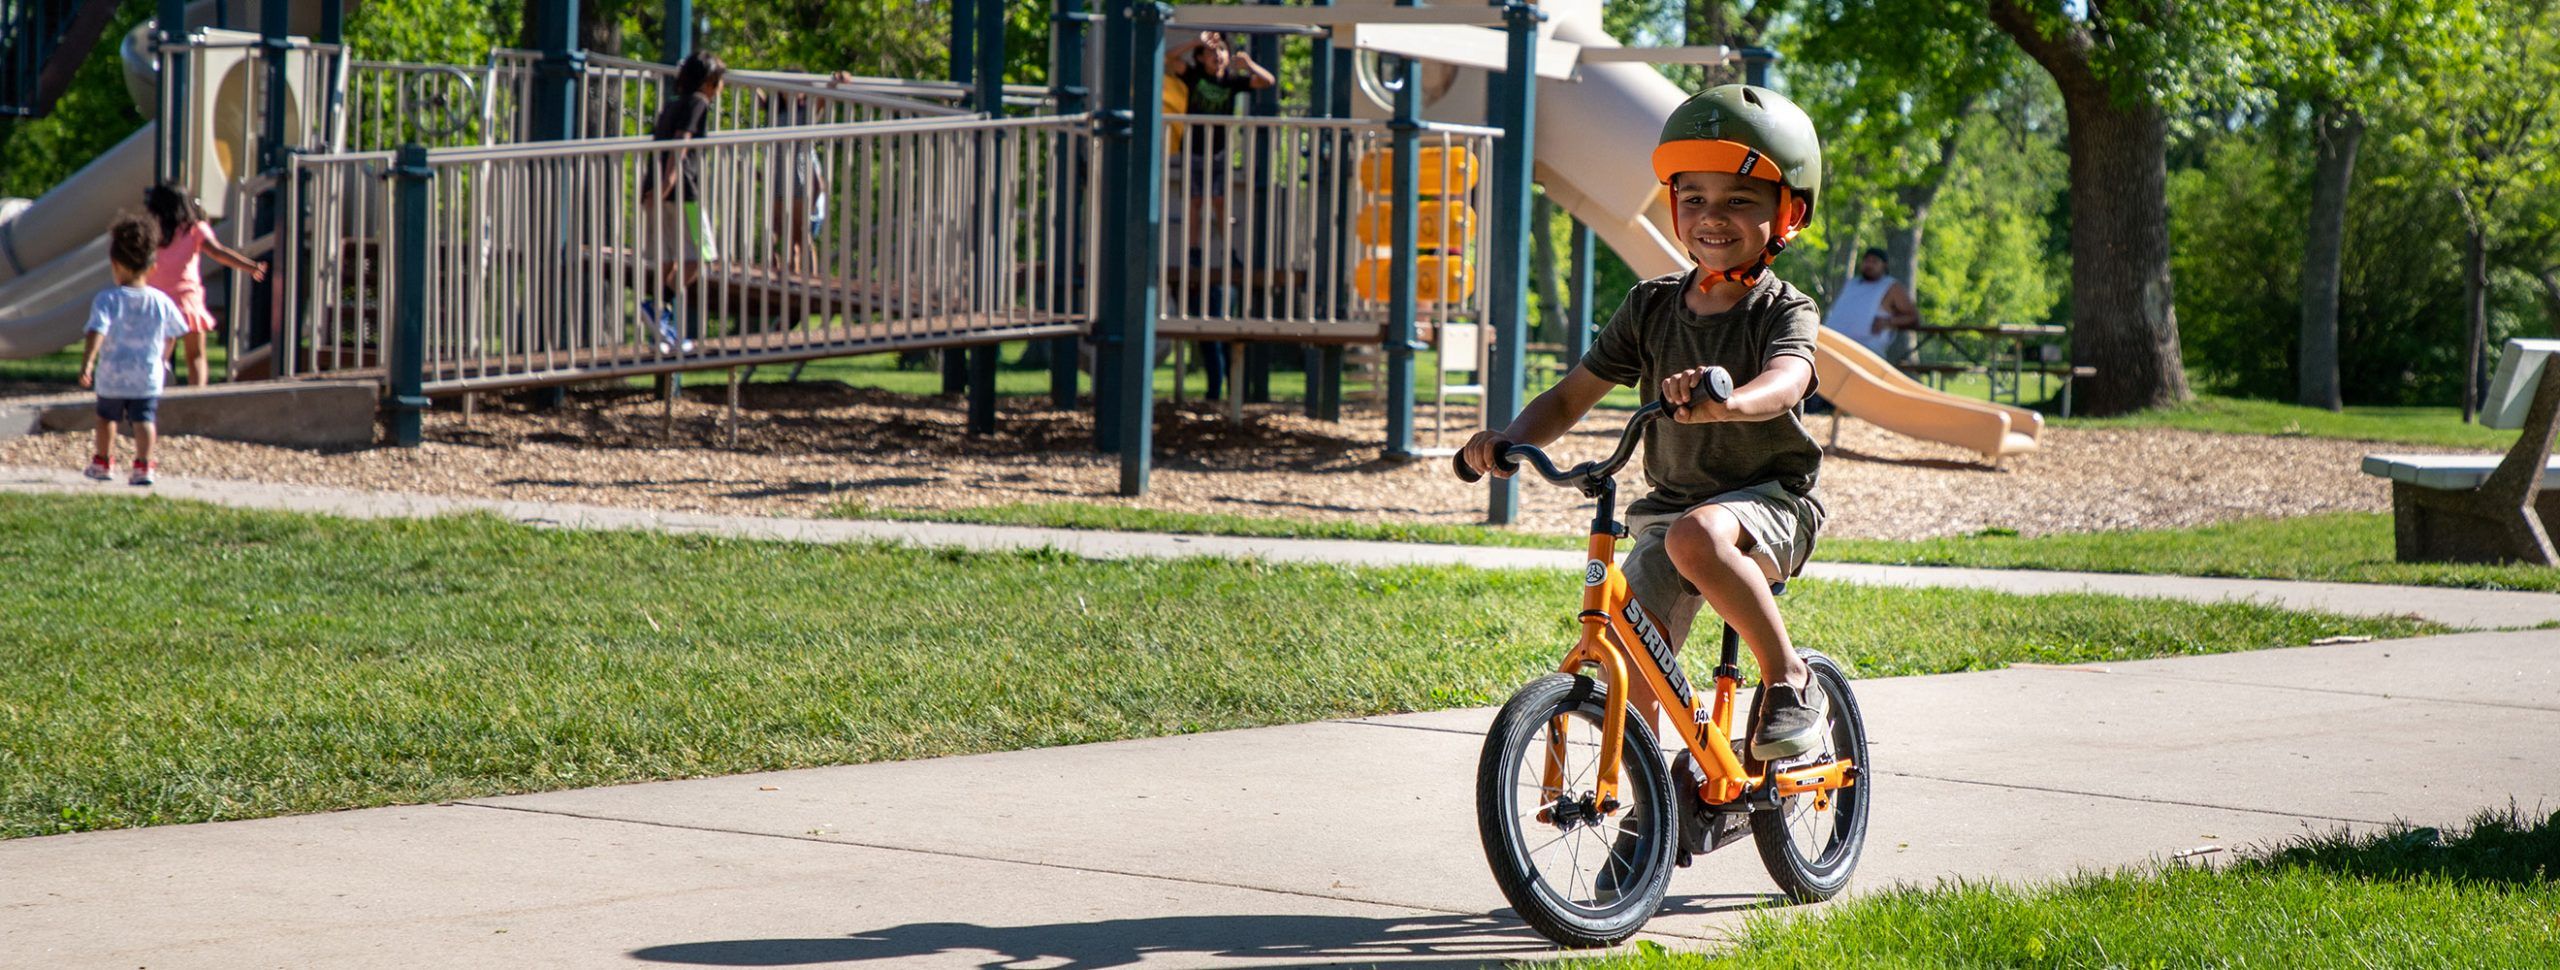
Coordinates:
(1750, 131)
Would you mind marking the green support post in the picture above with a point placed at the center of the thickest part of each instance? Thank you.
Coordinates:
(1510, 249)
(555, 118)
(409, 281)
(1755, 65)
(275, 43)
(1140, 185)
(989, 74)
(1111, 223)
(1403, 306)
(1328, 219)
(964, 67)
(172, 160)
(1067, 37)
(1265, 103)
(675, 31)
(1578, 319)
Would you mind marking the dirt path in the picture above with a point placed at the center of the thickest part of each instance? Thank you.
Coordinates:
(808, 449)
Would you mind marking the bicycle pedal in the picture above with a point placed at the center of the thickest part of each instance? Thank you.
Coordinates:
(1806, 760)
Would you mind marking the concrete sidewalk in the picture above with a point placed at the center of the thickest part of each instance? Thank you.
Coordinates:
(1349, 842)
(2464, 608)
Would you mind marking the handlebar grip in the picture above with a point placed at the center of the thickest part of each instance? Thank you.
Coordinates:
(1502, 459)
(1466, 472)
(1717, 385)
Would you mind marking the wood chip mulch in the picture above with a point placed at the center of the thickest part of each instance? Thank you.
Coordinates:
(807, 449)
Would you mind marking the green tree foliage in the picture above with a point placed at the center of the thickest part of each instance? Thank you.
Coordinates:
(93, 115)
(2238, 233)
(1995, 255)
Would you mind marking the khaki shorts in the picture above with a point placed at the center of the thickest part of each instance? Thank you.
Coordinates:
(684, 232)
(1782, 526)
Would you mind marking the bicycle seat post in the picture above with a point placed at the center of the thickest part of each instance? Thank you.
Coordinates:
(1729, 662)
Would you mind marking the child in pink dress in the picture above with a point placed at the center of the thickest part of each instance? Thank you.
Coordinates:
(183, 235)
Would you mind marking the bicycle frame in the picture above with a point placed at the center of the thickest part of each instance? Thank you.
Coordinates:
(1622, 640)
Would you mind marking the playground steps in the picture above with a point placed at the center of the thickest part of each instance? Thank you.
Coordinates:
(299, 414)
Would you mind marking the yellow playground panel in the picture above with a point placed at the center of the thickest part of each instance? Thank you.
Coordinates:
(1443, 269)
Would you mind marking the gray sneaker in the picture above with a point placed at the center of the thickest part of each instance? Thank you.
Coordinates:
(1791, 722)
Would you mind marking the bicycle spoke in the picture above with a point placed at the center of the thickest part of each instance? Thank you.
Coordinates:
(1573, 874)
(1543, 846)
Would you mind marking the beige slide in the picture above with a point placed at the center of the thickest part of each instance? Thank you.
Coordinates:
(53, 250)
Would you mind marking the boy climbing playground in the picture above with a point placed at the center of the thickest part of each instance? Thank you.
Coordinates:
(127, 354)
(1732, 507)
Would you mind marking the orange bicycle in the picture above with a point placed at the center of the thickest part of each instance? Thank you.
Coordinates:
(1574, 799)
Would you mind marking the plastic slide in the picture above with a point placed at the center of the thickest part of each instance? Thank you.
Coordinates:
(1594, 148)
(53, 250)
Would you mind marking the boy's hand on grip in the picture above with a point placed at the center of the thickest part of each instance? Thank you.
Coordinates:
(1477, 457)
(1698, 395)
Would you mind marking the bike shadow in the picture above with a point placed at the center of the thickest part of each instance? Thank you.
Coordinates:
(1432, 941)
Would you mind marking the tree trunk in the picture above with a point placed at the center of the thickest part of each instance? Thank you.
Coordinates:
(1703, 22)
(1902, 243)
(2123, 304)
(2337, 134)
(600, 30)
(1542, 269)
(2475, 305)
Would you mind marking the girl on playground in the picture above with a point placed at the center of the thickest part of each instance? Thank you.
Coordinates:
(183, 235)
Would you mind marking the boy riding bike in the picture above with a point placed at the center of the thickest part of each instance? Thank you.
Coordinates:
(1732, 508)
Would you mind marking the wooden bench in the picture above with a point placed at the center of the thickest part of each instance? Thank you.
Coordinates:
(2486, 508)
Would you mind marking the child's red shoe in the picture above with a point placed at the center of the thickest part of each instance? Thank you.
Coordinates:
(141, 473)
(99, 470)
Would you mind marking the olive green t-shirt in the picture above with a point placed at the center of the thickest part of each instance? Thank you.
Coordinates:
(1654, 335)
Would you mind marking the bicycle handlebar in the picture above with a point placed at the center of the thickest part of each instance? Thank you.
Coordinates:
(1716, 385)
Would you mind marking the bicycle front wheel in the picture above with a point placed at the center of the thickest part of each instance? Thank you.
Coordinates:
(1580, 872)
(1811, 842)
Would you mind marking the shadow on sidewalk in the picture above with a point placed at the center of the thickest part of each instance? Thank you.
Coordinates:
(1427, 940)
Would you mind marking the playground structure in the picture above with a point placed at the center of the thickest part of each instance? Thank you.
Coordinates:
(445, 229)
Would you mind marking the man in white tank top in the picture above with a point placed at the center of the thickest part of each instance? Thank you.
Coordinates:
(1872, 308)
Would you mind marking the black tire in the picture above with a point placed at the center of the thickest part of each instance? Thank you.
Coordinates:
(1811, 853)
(1636, 843)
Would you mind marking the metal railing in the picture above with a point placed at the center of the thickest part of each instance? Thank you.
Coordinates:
(1030, 96)
(621, 97)
(545, 262)
(438, 105)
(1262, 236)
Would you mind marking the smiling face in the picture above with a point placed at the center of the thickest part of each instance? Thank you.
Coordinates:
(1724, 219)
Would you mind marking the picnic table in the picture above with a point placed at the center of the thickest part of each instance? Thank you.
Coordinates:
(2004, 357)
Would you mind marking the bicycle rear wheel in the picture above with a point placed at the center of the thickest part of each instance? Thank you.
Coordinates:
(1581, 873)
(1810, 843)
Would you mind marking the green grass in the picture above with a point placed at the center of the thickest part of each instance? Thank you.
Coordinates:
(2433, 426)
(173, 662)
(2344, 547)
(62, 367)
(2347, 547)
(2483, 897)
